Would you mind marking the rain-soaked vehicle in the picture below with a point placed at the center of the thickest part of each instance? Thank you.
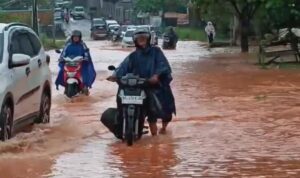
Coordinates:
(169, 42)
(73, 76)
(132, 95)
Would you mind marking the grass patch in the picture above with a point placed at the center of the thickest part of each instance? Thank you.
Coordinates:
(186, 33)
(289, 65)
(48, 43)
(282, 65)
(195, 34)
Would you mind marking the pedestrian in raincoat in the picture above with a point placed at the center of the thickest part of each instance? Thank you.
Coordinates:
(149, 62)
(210, 31)
(73, 48)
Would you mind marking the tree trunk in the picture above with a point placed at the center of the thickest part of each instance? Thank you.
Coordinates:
(244, 34)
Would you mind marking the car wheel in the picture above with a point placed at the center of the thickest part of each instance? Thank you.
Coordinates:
(45, 107)
(6, 122)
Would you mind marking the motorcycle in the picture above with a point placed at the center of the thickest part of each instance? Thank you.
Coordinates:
(168, 43)
(72, 77)
(116, 37)
(132, 95)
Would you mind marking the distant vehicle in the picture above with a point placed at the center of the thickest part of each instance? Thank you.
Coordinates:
(127, 40)
(124, 28)
(61, 3)
(114, 27)
(169, 42)
(58, 14)
(25, 90)
(110, 22)
(144, 27)
(98, 21)
(78, 12)
(58, 19)
(98, 29)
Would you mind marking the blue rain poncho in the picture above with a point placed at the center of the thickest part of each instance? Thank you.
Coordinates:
(88, 71)
(146, 63)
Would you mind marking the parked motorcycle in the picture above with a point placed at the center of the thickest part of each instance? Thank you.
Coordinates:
(168, 42)
(132, 94)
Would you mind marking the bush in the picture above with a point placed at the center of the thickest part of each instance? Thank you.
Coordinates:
(8, 18)
(48, 43)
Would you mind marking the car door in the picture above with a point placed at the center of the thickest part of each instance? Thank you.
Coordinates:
(38, 68)
(19, 77)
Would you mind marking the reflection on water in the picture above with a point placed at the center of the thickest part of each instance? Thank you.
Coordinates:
(106, 157)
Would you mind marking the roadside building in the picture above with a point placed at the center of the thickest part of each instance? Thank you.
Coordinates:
(120, 10)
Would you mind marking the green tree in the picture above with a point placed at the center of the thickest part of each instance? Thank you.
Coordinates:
(154, 6)
(283, 14)
(244, 10)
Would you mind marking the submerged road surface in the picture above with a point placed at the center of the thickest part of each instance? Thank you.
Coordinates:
(233, 120)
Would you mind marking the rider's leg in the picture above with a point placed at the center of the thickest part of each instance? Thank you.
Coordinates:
(152, 125)
(165, 122)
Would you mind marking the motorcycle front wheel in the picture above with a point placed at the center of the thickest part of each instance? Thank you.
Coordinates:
(71, 90)
(129, 134)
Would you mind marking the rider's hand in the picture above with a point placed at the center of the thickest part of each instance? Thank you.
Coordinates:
(111, 78)
(154, 79)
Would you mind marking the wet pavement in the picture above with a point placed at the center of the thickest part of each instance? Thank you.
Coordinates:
(233, 120)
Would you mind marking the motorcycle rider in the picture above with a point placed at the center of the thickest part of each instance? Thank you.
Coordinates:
(172, 35)
(211, 32)
(73, 48)
(149, 62)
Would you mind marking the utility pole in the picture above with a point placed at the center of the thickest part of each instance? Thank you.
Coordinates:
(53, 23)
(35, 24)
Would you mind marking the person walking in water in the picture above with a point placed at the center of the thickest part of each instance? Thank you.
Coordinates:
(211, 33)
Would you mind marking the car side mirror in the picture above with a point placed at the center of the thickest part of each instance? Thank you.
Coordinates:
(58, 51)
(111, 68)
(19, 60)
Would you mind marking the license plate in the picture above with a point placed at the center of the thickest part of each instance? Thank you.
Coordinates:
(71, 74)
(132, 100)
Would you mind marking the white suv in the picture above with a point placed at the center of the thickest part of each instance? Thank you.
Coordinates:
(25, 90)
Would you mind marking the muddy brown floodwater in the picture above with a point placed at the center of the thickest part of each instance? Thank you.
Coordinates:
(233, 120)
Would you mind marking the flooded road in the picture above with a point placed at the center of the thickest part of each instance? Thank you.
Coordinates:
(233, 120)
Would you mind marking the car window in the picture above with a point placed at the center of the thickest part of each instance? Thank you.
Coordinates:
(99, 22)
(36, 44)
(129, 33)
(26, 46)
(79, 9)
(15, 45)
(21, 44)
(1, 46)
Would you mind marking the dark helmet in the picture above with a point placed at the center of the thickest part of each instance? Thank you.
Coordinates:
(141, 32)
(76, 33)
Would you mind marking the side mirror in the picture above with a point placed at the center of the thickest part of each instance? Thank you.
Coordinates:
(111, 68)
(58, 51)
(19, 60)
